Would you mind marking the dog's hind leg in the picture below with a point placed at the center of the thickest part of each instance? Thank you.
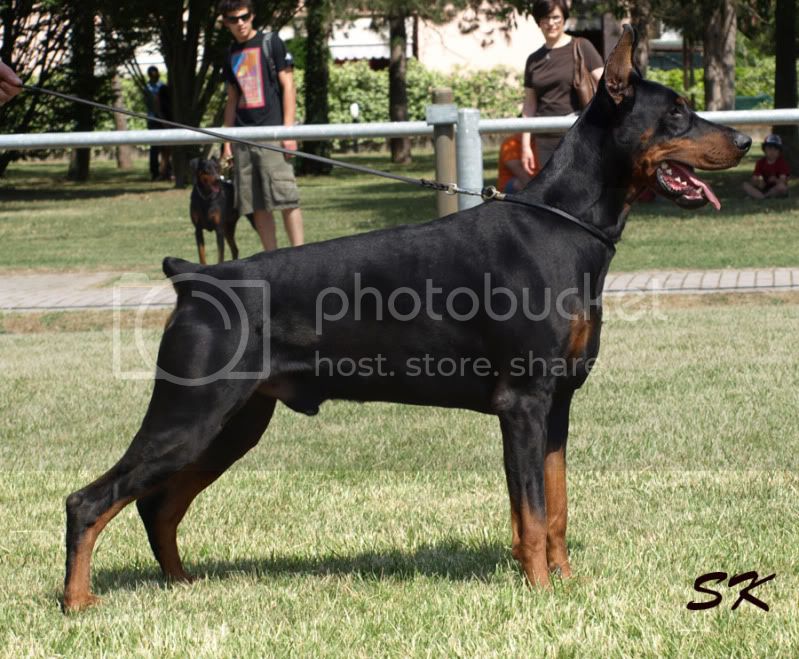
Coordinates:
(173, 436)
(555, 484)
(163, 510)
(523, 417)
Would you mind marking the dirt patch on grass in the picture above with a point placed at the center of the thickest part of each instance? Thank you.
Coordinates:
(80, 321)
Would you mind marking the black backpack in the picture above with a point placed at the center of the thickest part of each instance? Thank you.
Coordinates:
(266, 46)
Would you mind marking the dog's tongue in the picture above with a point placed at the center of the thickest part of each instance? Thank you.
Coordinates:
(709, 194)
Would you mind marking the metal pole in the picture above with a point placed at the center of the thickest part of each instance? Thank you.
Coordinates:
(444, 142)
(470, 156)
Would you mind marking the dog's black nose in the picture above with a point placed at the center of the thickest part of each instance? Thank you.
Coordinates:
(743, 142)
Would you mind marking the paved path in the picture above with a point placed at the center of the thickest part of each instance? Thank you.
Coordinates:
(110, 290)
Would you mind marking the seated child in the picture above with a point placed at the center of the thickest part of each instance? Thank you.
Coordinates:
(770, 178)
(512, 176)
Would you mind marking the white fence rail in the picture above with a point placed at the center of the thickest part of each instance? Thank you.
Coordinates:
(469, 152)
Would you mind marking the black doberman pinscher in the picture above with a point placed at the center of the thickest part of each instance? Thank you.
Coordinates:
(495, 309)
(212, 207)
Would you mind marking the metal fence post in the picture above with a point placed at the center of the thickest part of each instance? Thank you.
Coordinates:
(470, 156)
(443, 115)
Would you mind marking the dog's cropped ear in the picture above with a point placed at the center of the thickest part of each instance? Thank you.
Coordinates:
(620, 68)
(194, 163)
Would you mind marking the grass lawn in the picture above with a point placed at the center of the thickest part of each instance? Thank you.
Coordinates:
(383, 530)
(121, 221)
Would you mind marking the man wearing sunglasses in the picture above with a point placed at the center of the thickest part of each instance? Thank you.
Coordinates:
(260, 92)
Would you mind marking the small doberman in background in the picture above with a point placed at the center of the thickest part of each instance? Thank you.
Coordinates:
(212, 207)
(222, 367)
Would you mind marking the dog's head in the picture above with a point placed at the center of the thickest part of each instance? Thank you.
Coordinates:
(665, 139)
(206, 172)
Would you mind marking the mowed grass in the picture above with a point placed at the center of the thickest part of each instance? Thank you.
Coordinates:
(379, 530)
(122, 221)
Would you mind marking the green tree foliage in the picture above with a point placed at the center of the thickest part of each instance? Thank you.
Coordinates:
(497, 93)
(35, 43)
(394, 14)
(319, 25)
(193, 43)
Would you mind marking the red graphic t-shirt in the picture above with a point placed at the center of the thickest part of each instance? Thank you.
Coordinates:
(779, 167)
(250, 76)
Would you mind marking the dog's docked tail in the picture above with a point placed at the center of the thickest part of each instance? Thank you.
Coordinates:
(174, 267)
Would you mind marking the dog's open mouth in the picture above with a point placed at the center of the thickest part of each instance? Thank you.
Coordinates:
(679, 183)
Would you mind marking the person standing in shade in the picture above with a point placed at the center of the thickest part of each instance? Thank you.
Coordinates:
(152, 98)
(260, 89)
(548, 78)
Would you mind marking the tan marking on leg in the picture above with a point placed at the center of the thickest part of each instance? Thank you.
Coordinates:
(533, 547)
(181, 491)
(201, 250)
(515, 527)
(557, 513)
(77, 591)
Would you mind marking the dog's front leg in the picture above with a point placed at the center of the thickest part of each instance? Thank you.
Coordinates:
(220, 243)
(198, 236)
(555, 484)
(523, 418)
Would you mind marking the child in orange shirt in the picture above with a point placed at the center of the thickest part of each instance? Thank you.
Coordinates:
(512, 176)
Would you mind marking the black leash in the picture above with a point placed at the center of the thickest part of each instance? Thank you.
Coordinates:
(433, 185)
(487, 194)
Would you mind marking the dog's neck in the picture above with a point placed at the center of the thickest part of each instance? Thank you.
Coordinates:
(582, 157)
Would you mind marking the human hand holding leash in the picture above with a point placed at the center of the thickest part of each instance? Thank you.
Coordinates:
(291, 145)
(227, 154)
(10, 84)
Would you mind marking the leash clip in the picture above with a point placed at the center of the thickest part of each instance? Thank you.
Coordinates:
(492, 193)
(452, 189)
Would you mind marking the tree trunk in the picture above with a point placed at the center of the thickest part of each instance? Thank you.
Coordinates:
(641, 17)
(124, 152)
(82, 66)
(785, 92)
(397, 87)
(719, 49)
(317, 57)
